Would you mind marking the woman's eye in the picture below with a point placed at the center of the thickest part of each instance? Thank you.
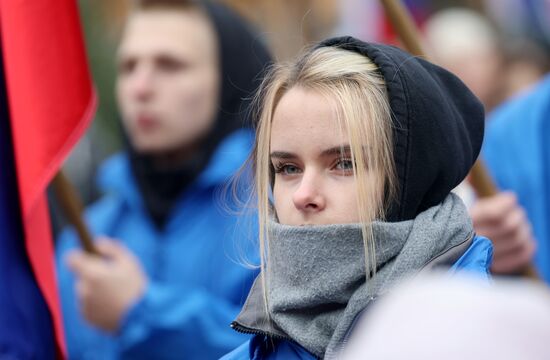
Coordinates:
(287, 169)
(344, 165)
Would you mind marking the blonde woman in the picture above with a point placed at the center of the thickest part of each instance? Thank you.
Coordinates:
(358, 147)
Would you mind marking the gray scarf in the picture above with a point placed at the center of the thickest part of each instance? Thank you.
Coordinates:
(316, 274)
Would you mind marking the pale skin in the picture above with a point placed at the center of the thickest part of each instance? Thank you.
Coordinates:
(107, 286)
(168, 93)
(314, 182)
(501, 219)
(168, 78)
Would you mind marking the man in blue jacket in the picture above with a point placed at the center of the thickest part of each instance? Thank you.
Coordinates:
(172, 279)
(517, 153)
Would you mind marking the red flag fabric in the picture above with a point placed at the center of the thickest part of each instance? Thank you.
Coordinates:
(51, 101)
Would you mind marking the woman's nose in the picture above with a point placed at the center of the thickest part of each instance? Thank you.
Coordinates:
(308, 196)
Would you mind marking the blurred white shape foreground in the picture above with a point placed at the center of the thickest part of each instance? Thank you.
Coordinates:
(442, 317)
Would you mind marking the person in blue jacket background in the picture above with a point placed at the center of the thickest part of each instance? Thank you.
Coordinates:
(517, 153)
(172, 279)
(357, 150)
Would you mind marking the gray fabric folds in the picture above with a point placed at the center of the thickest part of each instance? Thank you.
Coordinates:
(316, 274)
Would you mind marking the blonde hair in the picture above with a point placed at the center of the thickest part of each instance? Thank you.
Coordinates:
(354, 82)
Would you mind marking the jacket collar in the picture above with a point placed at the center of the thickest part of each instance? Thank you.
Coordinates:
(115, 174)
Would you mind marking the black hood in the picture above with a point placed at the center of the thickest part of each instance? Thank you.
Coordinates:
(437, 125)
(243, 60)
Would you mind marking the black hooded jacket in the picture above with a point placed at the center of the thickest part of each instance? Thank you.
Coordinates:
(437, 125)
(243, 59)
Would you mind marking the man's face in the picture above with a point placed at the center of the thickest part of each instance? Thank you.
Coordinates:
(168, 78)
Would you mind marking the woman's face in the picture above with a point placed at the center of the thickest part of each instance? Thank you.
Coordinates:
(314, 181)
(168, 78)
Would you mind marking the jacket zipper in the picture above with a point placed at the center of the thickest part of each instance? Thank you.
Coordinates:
(246, 330)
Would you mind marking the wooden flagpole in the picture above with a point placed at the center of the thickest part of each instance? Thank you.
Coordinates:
(73, 209)
(408, 33)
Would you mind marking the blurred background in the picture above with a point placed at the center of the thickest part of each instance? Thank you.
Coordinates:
(498, 47)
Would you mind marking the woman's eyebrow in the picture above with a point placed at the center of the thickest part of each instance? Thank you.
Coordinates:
(282, 155)
(336, 150)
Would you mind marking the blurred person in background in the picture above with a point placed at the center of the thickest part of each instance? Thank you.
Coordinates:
(517, 153)
(465, 42)
(461, 318)
(525, 64)
(170, 283)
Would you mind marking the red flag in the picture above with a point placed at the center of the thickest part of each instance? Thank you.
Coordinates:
(51, 101)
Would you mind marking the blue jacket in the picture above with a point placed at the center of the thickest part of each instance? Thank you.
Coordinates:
(197, 282)
(476, 260)
(517, 153)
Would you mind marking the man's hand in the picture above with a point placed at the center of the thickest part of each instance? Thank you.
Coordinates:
(503, 221)
(108, 285)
